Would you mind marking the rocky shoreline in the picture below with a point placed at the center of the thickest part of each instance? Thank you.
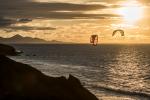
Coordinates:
(22, 81)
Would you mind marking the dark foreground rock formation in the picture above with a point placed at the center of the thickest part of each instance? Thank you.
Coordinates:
(22, 82)
(8, 50)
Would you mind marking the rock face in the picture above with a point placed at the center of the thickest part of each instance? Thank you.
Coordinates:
(22, 82)
(8, 50)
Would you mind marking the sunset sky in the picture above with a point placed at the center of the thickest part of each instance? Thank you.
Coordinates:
(76, 20)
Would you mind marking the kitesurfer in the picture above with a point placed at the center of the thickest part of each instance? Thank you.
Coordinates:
(94, 39)
(120, 31)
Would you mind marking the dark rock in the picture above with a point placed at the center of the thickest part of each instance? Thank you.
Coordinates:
(23, 82)
(27, 55)
(8, 50)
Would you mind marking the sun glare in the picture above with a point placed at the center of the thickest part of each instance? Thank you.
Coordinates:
(131, 13)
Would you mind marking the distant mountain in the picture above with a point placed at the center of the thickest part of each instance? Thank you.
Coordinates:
(21, 39)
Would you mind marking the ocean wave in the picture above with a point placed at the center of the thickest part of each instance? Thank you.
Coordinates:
(138, 94)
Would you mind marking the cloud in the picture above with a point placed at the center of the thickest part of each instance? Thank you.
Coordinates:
(26, 28)
(5, 22)
(26, 5)
(144, 1)
(80, 1)
(24, 20)
(69, 15)
(29, 9)
(68, 6)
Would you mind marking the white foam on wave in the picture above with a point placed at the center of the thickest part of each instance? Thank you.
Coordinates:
(55, 69)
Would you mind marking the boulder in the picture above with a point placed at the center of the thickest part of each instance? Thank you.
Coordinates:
(22, 82)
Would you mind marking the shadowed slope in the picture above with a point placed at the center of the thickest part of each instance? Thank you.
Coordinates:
(21, 81)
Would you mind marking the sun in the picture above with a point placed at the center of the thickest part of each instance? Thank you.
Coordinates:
(131, 13)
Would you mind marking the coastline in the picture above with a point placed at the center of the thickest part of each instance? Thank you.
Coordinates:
(90, 76)
(101, 92)
(27, 82)
(22, 81)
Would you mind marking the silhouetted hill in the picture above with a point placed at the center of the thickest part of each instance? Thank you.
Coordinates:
(8, 50)
(21, 39)
(20, 81)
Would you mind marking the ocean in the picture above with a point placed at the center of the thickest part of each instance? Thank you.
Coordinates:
(110, 71)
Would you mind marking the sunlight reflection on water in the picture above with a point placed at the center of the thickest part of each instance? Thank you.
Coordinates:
(127, 71)
(118, 67)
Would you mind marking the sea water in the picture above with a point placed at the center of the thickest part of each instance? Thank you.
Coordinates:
(110, 71)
